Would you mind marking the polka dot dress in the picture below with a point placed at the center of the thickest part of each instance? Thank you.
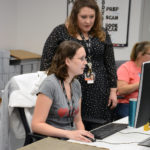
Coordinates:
(94, 96)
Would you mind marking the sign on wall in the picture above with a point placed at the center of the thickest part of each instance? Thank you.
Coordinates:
(116, 15)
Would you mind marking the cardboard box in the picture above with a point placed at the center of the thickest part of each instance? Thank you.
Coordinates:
(55, 144)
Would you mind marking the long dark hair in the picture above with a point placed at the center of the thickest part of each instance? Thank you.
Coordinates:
(66, 49)
(96, 30)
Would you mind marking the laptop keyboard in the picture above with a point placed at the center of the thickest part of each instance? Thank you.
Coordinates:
(107, 130)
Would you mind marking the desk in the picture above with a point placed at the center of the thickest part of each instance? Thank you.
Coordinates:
(55, 144)
(126, 139)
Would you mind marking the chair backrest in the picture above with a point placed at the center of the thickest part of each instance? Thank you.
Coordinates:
(119, 62)
(20, 94)
(30, 84)
(28, 138)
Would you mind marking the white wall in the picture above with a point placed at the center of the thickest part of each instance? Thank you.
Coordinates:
(145, 21)
(35, 19)
(134, 30)
(8, 23)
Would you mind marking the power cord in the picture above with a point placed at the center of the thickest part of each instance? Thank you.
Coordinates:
(116, 143)
(123, 142)
(134, 132)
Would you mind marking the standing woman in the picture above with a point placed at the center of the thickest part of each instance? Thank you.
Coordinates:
(99, 80)
(57, 111)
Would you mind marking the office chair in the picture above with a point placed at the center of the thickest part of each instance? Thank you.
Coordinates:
(21, 96)
(119, 62)
(114, 111)
(29, 136)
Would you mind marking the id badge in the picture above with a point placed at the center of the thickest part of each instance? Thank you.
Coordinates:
(90, 78)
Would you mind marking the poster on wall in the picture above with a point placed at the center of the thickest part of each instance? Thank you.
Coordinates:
(116, 15)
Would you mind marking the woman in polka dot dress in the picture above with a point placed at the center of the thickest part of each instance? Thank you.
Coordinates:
(99, 80)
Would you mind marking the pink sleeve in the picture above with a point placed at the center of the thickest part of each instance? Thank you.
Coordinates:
(123, 73)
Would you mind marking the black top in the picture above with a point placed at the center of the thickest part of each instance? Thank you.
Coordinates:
(94, 96)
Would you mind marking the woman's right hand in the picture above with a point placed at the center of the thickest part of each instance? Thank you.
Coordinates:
(80, 135)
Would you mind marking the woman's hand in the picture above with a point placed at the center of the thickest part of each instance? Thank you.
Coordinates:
(112, 102)
(80, 135)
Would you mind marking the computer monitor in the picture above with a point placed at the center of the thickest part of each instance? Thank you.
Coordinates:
(143, 102)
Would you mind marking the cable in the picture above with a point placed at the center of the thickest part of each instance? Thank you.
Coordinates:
(117, 143)
(121, 142)
(134, 132)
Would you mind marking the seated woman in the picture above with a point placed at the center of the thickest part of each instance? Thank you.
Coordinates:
(129, 76)
(57, 112)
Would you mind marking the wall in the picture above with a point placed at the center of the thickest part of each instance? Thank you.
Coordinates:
(8, 23)
(35, 20)
(145, 21)
(134, 30)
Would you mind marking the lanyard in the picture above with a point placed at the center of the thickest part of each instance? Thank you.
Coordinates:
(71, 111)
(88, 45)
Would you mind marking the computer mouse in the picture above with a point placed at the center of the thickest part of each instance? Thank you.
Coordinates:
(92, 140)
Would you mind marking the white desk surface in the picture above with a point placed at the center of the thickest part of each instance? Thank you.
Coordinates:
(126, 139)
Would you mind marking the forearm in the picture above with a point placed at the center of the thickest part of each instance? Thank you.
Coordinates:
(46, 129)
(79, 125)
(113, 90)
(128, 89)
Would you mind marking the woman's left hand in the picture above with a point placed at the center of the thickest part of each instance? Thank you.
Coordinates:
(112, 102)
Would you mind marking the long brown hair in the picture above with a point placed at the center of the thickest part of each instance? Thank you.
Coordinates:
(66, 49)
(97, 30)
(139, 47)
